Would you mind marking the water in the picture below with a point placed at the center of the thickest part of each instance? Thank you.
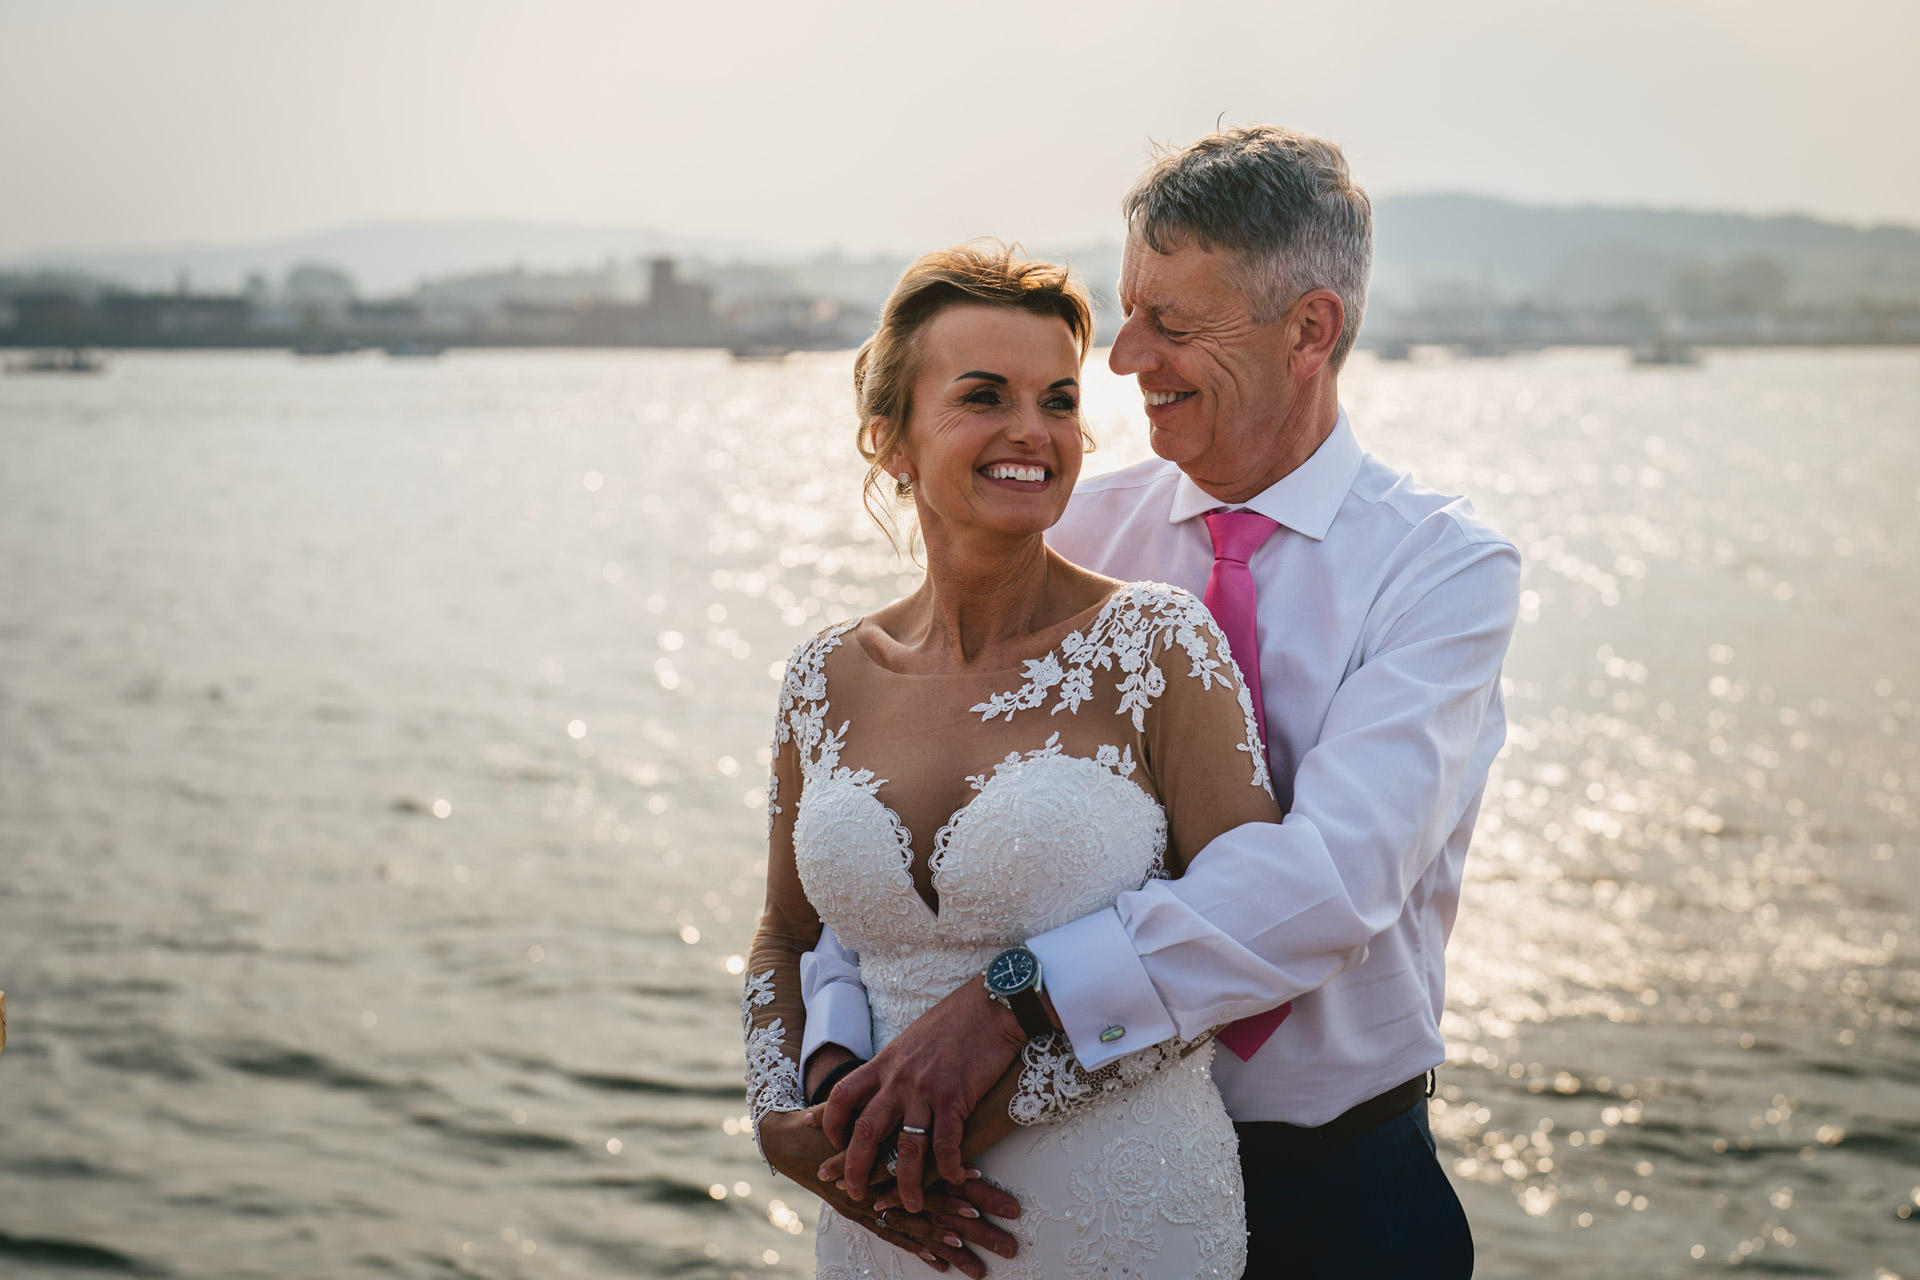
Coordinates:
(381, 822)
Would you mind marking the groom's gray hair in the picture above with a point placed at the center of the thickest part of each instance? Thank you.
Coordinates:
(1280, 201)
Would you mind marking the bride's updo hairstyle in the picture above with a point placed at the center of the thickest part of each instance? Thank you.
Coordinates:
(984, 273)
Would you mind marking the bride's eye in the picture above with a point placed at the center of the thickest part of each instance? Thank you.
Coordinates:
(985, 395)
(1060, 403)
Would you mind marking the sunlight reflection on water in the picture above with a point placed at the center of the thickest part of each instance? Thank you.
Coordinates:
(381, 746)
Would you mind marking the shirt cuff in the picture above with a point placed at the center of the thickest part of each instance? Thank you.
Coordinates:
(1106, 1002)
(838, 1016)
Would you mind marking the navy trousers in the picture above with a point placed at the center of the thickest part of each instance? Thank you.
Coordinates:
(1378, 1208)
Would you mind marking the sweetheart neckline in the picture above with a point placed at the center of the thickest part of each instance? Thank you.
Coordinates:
(943, 837)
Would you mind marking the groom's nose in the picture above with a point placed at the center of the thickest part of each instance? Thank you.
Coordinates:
(1132, 348)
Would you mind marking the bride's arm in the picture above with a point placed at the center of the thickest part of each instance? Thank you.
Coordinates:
(1203, 754)
(771, 1013)
(773, 1017)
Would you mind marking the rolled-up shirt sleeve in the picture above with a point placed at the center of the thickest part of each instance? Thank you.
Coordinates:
(1265, 913)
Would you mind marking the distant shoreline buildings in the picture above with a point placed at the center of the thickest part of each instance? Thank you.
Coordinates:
(316, 310)
(1468, 272)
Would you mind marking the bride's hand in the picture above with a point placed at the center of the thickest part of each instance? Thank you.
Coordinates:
(799, 1149)
(957, 1210)
(930, 1076)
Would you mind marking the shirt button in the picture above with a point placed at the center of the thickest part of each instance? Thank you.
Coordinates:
(1112, 1033)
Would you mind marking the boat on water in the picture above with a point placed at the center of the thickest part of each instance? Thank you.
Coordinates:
(328, 347)
(1666, 351)
(59, 360)
(758, 351)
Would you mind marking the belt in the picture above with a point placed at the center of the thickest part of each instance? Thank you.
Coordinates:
(1274, 1144)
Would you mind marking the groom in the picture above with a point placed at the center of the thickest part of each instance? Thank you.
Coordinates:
(1371, 616)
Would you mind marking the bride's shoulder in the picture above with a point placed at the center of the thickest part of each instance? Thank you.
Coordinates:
(1157, 618)
(805, 676)
(1157, 605)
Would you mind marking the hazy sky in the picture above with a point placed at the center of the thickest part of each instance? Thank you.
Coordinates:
(872, 125)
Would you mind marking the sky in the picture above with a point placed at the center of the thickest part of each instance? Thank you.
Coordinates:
(870, 126)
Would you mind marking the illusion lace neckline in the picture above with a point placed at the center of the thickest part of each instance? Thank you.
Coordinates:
(1087, 618)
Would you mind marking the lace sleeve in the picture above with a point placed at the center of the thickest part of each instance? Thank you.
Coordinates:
(1203, 750)
(772, 1015)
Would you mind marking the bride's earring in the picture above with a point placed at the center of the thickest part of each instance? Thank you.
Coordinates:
(903, 485)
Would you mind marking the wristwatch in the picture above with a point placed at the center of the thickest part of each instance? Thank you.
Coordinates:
(1013, 981)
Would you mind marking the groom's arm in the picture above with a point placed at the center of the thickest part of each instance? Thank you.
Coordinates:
(1263, 913)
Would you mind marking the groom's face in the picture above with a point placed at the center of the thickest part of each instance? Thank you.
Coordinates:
(1215, 381)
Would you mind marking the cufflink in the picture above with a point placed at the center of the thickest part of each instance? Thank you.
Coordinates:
(1112, 1033)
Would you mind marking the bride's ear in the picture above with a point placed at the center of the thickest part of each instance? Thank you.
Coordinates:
(895, 462)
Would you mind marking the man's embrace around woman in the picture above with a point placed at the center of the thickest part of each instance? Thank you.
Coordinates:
(1034, 808)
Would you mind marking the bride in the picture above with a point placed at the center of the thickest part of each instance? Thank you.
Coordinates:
(1008, 748)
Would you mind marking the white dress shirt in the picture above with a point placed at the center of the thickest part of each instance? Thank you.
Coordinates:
(1384, 613)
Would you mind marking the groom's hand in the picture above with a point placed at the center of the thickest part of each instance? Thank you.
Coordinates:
(798, 1149)
(930, 1076)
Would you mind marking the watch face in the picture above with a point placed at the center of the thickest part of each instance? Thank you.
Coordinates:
(1012, 970)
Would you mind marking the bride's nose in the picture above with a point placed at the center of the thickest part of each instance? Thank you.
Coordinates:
(1028, 426)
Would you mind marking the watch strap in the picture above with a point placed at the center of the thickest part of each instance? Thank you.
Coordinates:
(1031, 1012)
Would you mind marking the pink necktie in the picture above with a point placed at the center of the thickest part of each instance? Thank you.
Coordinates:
(1230, 597)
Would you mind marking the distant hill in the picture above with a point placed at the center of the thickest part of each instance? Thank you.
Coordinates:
(1431, 246)
(1428, 249)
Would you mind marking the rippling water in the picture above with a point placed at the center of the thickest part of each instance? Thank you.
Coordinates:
(381, 821)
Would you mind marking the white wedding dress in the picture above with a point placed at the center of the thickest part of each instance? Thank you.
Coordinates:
(1130, 1173)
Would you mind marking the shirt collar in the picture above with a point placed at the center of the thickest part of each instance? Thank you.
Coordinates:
(1305, 500)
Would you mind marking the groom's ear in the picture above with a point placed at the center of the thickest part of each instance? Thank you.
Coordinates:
(1313, 331)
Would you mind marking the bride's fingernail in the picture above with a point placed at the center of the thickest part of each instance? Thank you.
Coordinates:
(967, 1211)
(972, 1174)
(929, 1259)
(820, 1174)
(953, 1241)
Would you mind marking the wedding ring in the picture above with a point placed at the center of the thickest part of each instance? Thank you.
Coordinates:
(913, 1129)
(893, 1163)
(882, 1220)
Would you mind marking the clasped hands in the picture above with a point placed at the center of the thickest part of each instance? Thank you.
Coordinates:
(920, 1097)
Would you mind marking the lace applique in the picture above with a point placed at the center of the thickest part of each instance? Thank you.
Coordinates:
(1053, 1084)
(801, 717)
(773, 1079)
(1142, 622)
